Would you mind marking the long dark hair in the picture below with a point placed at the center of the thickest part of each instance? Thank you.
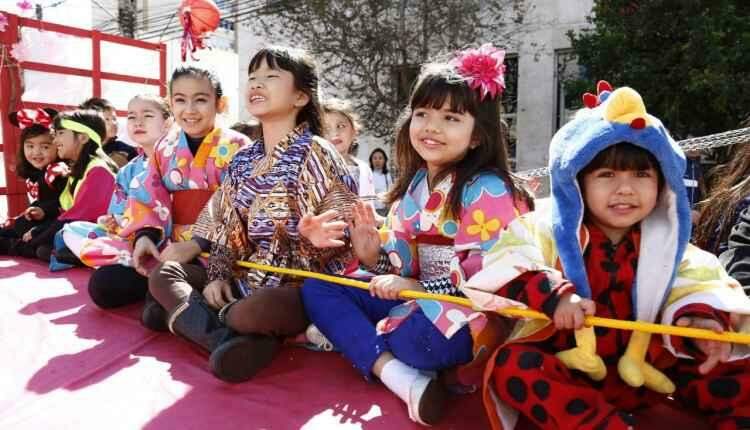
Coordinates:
(305, 71)
(718, 209)
(436, 84)
(93, 120)
(385, 165)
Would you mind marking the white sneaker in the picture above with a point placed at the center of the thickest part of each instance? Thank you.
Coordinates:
(317, 340)
(427, 399)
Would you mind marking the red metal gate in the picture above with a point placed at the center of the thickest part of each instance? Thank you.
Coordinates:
(11, 88)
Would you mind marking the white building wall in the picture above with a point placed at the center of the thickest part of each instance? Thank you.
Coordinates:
(547, 25)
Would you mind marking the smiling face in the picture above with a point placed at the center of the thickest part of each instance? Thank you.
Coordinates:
(194, 105)
(339, 131)
(441, 136)
(616, 200)
(271, 93)
(146, 123)
(40, 151)
(69, 144)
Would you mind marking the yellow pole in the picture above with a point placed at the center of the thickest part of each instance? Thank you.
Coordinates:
(694, 333)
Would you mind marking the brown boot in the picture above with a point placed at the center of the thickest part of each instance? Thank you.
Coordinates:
(234, 357)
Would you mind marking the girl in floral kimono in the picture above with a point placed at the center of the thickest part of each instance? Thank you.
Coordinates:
(614, 245)
(187, 166)
(288, 183)
(99, 244)
(452, 200)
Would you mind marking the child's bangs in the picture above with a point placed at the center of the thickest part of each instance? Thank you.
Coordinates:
(434, 91)
(624, 156)
(33, 131)
(257, 60)
(277, 59)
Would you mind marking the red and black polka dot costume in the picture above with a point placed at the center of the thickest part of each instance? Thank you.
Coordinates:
(529, 378)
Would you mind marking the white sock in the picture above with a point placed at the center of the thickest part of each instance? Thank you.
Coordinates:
(399, 377)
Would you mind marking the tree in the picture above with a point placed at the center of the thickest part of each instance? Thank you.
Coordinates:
(688, 58)
(370, 50)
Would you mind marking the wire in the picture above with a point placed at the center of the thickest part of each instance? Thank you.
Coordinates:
(161, 36)
(56, 4)
(165, 19)
(711, 141)
(158, 19)
(103, 8)
(153, 10)
(244, 9)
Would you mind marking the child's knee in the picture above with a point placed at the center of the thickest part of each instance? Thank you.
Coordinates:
(313, 289)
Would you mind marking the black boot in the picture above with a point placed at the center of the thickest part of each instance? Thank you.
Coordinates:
(5, 243)
(234, 357)
(154, 316)
(22, 249)
(65, 255)
(44, 252)
(14, 247)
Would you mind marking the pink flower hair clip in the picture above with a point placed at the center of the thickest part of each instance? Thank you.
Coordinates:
(483, 69)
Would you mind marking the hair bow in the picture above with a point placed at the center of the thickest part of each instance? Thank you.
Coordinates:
(28, 117)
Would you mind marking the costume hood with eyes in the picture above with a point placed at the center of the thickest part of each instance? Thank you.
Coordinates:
(610, 118)
(672, 276)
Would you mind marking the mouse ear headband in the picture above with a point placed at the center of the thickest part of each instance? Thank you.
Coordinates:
(25, 118)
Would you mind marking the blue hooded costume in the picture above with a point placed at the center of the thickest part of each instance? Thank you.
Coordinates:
(670, 275)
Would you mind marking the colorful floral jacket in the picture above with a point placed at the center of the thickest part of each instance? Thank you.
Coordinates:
(254, 215)
(173, 168)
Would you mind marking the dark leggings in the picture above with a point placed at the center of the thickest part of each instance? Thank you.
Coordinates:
(171, 283)
(117, 285)
(42, 235)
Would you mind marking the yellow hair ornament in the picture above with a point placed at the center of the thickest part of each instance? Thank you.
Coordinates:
(81, 128)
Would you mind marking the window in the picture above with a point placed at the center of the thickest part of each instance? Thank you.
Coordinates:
(510, 105)
(404, 76)
(571, 84)
(226, 24)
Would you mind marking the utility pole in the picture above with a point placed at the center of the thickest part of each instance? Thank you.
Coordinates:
(126, 17)
(144, 17)
(235, 10)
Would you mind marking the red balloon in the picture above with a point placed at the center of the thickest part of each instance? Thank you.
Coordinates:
(204, 16)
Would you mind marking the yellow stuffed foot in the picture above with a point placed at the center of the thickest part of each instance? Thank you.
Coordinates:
(656, 381)
(583, 357)
(634, 370)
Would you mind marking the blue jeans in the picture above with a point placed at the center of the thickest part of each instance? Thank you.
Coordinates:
(347, 317)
